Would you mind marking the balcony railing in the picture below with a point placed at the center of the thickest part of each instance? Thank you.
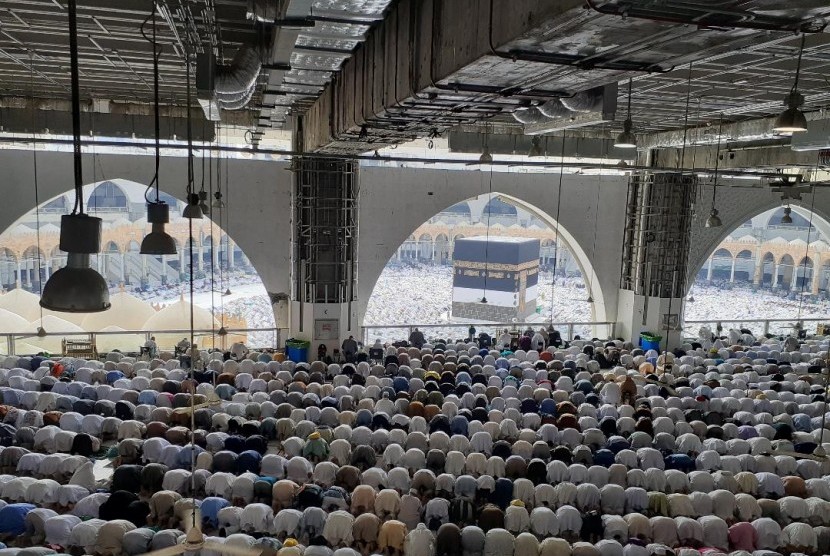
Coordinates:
(396, 332)
(131, 341)
(776, 327)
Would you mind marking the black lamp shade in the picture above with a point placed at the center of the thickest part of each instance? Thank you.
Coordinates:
(158, 242)
(76, 288)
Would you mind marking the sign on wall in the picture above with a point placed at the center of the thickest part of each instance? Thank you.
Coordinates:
(326, 329)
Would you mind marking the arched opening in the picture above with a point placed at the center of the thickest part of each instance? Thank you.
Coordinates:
(8, 269)
(744, 267)
(784, 274)
(157, 280)
(413, 294)
(425, 248)
(780, 273)
(803, 275)
(108, 197)
(32, 271)
(767, 270)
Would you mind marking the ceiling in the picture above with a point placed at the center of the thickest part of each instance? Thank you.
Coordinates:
(737, 72)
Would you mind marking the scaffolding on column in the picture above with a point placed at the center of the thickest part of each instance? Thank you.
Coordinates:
(656, 236)
(325, 224)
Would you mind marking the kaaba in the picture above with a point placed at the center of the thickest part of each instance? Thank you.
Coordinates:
(504, 270)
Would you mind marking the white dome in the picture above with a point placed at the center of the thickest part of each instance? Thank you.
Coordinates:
(21, 302)
(127, 312)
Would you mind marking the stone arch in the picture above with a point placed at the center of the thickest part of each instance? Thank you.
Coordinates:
(742, 206)
(786, 269)
(767, 269)
(803, 274)
(8, 268)
(32, 268)
(581, 258)
(425, 250)
(744, 266)
(107, 196)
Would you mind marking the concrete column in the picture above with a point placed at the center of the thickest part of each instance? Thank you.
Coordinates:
(653, 286)
(710, 268)
(815, 278)
(324, 267)
(201, 255)
(164, 267)
(231, 250)
(20, 281)
(732, 272)
(774, 275)
(47, 270)
(433, 251)
(123, 268)
(143, 268)
(794, 280)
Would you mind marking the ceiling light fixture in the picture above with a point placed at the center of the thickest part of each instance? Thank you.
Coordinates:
(193, 210)
(627, 139)
(77, 288)
(486, 157)
(535, 147)
(792, 119)
(787, 218)
(714, 220)
(158, 241)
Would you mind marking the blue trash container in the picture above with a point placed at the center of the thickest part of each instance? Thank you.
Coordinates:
(297, 350)
(650, 342)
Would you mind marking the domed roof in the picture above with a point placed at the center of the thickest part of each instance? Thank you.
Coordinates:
(52, 324)
(176, 316)
(124, 342)
(127, 313)
(12, 323)
(21, 302)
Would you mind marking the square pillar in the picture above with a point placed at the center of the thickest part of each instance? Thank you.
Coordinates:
(324, 254)
(656, 243)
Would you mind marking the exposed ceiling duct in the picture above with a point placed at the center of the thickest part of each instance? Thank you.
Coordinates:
(236, 82)
(266, 11)
(579, 110)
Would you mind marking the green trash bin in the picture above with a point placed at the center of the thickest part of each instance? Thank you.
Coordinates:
(297, 350)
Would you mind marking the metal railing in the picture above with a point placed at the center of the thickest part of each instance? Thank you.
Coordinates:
(457, 331)
(777, 327)
(133, 340)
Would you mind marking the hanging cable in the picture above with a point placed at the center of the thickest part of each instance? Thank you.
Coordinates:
(37, 193)
(680, 165)
(556, 225)
(156, 117)
(487, 234)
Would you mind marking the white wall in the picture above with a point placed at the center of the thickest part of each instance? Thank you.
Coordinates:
(259, 197)
(393, 203)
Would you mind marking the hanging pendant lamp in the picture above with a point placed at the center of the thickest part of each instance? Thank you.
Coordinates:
(627, 139)
(792, 120)
(77, 288)
(714, 220)
(193, 210)
(787, 218)
(158, 241)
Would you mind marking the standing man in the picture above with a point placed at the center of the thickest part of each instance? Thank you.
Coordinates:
(151, 347)
(471, 333)
(349, 348)
(417, 338)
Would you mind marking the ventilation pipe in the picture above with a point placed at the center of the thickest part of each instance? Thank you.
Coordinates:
(530, 116)
(235, 84)
(554, 109)
(263, 10)
(585, 101)
(582, 102)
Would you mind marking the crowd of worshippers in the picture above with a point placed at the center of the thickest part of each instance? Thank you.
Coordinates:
(449, 451)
